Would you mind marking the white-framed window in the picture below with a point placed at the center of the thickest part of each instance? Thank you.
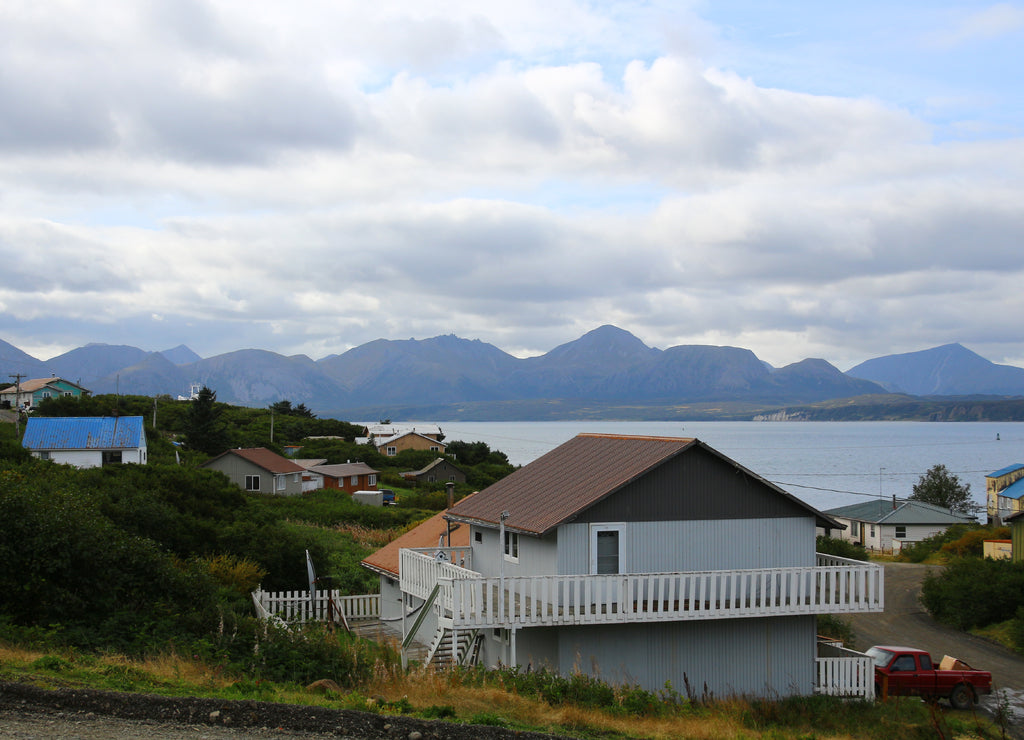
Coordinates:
(872, 534)
(512, 546)
(353, 480)
(280, 482)
(392, 451)
(44, 455)
(606, 545)
(252, 483)
(68, 393)
(855, 529)
(435, 448)
(371, 480)
(901, 531)
(45, 394)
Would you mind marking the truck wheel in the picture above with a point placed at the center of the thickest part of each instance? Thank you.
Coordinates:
(961, 697)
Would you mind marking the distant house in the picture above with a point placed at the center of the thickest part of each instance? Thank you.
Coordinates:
(437, 471)
(374, 432)
(391, 446)
(29, 393)
(883, 524)
(1004, 493)
(641, 560)
(87, 441)
(348, 477)
(259, 470)
(311, 480)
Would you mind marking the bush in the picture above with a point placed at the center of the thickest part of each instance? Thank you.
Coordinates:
(974, 592)
(1017, 630)
(840, 548)
(973, 542)
(920, 551)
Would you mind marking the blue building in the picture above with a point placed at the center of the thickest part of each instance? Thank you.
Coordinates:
(87, 441)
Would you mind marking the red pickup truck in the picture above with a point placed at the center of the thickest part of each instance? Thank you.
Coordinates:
(904, 671)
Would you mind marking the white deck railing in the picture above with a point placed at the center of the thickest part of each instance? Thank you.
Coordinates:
(835, 585)
(297, 606)
(843, 672)
(422, 569)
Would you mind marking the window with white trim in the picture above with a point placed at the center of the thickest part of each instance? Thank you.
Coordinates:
(512, 546)
(371, 480)
(901, 531)
(392, 451)
(281, 482)
(252, 483)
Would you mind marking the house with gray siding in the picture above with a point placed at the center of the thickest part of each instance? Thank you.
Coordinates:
(890, 525)
(640, 560)
(259, 470)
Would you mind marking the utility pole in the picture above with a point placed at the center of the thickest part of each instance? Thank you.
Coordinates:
(17, 403)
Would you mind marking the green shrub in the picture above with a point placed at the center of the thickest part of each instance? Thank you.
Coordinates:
(1017, 630)
(829, 625)
(840, 548)
(974, 592)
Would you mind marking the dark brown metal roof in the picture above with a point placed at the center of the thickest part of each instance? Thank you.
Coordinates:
(567, 480)
(558, 486)
(264, 458)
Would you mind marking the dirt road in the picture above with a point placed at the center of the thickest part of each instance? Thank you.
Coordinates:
(905, 622)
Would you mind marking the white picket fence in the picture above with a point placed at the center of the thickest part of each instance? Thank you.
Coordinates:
(298, 606)
(844, 672)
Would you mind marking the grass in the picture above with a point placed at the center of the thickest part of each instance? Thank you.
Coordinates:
(482, 698)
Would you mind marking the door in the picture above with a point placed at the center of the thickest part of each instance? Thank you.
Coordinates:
(607, 559)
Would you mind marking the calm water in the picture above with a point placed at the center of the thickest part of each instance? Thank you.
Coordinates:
(826, 464)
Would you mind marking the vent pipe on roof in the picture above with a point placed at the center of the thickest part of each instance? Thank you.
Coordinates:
(450, 490)
(894, 502)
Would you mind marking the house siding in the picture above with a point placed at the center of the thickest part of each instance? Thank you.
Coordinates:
(661, 547)
(777, 655)
(236, 468)
(537, 555)
(694, 485)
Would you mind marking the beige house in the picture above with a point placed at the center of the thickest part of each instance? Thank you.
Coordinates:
(1004, 493)
(391, 446)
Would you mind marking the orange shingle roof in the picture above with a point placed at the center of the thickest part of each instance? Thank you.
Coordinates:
(426, 534)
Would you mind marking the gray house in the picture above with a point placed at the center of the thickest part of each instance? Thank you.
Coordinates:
(641, 560)
(259, 470)
(883, 524)
(440, 470)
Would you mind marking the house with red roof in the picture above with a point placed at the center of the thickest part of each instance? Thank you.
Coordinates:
(641, 560)
(259, 470)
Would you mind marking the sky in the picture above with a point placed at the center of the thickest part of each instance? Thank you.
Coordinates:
(801, 179)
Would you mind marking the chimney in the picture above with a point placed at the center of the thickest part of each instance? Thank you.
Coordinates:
(894, 502)
(450, 488)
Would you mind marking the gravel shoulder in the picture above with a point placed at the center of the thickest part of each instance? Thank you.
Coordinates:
(84, 714)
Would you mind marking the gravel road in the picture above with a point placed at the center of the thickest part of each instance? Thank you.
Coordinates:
(905, 622)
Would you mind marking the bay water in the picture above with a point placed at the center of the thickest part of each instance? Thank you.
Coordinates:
(825, 464)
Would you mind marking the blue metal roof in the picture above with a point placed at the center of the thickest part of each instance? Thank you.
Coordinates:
(1014, 490)
(1004, 471)
(84, 433)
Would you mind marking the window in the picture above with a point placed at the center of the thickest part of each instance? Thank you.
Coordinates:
(45, 394)
(478, 536)
(512, 546)
(872, 531)
(68, 393)
(45, 455)
(926, 662)
(903, 663)
(451, 478)
(252, 483)
(354, 480)
(371, 480)
(855, 529)
(279, 480)
(606, 549)
(434, 448)
(111, 457)
(901, 531)
(392, 451)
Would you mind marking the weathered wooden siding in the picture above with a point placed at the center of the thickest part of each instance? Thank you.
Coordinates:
(777, 655)
(662, 547)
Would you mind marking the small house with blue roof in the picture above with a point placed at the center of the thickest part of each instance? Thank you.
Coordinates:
(87, 441)
(1004, 493)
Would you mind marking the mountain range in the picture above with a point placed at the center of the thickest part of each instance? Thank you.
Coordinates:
(608, 370)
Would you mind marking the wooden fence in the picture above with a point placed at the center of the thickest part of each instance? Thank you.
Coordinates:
(299, 606)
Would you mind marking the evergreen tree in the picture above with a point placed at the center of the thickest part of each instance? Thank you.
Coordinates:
(940, 487)
(205, 430)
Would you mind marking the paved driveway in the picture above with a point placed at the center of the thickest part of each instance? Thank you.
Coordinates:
(905, 622)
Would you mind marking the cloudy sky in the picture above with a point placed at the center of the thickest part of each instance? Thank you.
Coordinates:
(803, 179)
